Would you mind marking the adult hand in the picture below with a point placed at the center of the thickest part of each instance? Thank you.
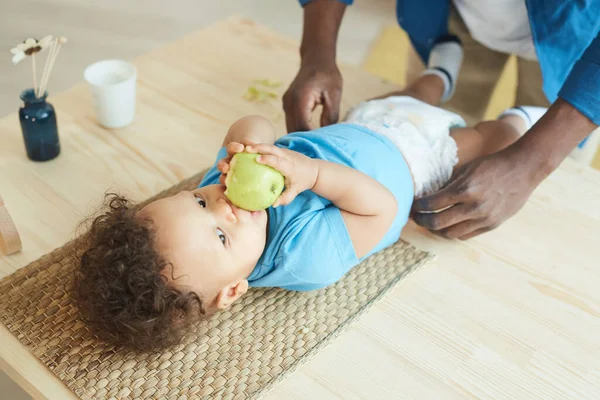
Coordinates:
(316, 83)
(479, 197)
(486, 192)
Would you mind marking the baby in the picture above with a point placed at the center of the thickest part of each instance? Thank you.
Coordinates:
(146, 275)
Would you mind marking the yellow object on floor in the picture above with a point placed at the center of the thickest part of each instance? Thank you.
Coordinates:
(387, 59)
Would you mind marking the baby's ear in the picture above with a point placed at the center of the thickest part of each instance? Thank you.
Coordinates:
(231, 293)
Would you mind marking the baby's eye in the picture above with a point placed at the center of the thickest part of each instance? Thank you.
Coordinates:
(222, 236)
(201, 202)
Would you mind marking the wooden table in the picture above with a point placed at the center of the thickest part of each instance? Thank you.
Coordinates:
(514, 314)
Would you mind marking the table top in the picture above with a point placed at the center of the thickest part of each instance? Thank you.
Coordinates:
(511, 314)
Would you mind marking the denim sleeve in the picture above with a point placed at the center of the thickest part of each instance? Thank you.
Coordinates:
(582, 87)
(305, 2)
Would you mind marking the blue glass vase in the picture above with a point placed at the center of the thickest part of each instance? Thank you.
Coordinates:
(38, 124)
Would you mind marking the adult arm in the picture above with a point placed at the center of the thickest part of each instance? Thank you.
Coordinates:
(318, 81)
(486, 192)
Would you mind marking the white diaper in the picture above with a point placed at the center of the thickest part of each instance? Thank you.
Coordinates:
(420, 131)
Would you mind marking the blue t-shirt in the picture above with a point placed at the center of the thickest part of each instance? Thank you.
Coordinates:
(308, 246)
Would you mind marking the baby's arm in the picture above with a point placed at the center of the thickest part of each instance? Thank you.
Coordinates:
(368, 208)
(252, 128)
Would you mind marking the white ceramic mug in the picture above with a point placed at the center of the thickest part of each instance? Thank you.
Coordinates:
(113, 90)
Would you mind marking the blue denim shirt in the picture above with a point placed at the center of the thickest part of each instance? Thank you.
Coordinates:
(565, 34)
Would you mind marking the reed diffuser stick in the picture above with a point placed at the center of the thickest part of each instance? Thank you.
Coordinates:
(34, 74)
(46, 65)
(60, 41)
(45, 74)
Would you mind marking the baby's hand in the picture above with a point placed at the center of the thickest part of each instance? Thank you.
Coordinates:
(232, 149)
(300, 171)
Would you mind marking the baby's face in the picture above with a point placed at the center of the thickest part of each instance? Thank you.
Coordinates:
(210, 242)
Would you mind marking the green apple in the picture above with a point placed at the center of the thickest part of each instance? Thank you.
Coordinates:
(251, 185)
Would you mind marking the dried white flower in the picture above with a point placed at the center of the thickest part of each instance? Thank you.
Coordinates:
(28, 47)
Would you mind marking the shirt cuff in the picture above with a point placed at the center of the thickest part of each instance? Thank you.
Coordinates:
(582, 87)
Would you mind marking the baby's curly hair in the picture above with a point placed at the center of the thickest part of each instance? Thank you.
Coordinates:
(120, 286)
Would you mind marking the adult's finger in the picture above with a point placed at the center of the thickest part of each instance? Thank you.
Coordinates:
(441, 200)
(444, 219)
(290, 120)
(299, 112)
(331, 107)
(476, 233)
(462, 229)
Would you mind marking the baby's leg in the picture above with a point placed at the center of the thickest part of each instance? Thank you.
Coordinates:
(487, 137)
(436, 84)
(427, 88)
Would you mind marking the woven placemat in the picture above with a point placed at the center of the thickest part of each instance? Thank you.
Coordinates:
(237, 354)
